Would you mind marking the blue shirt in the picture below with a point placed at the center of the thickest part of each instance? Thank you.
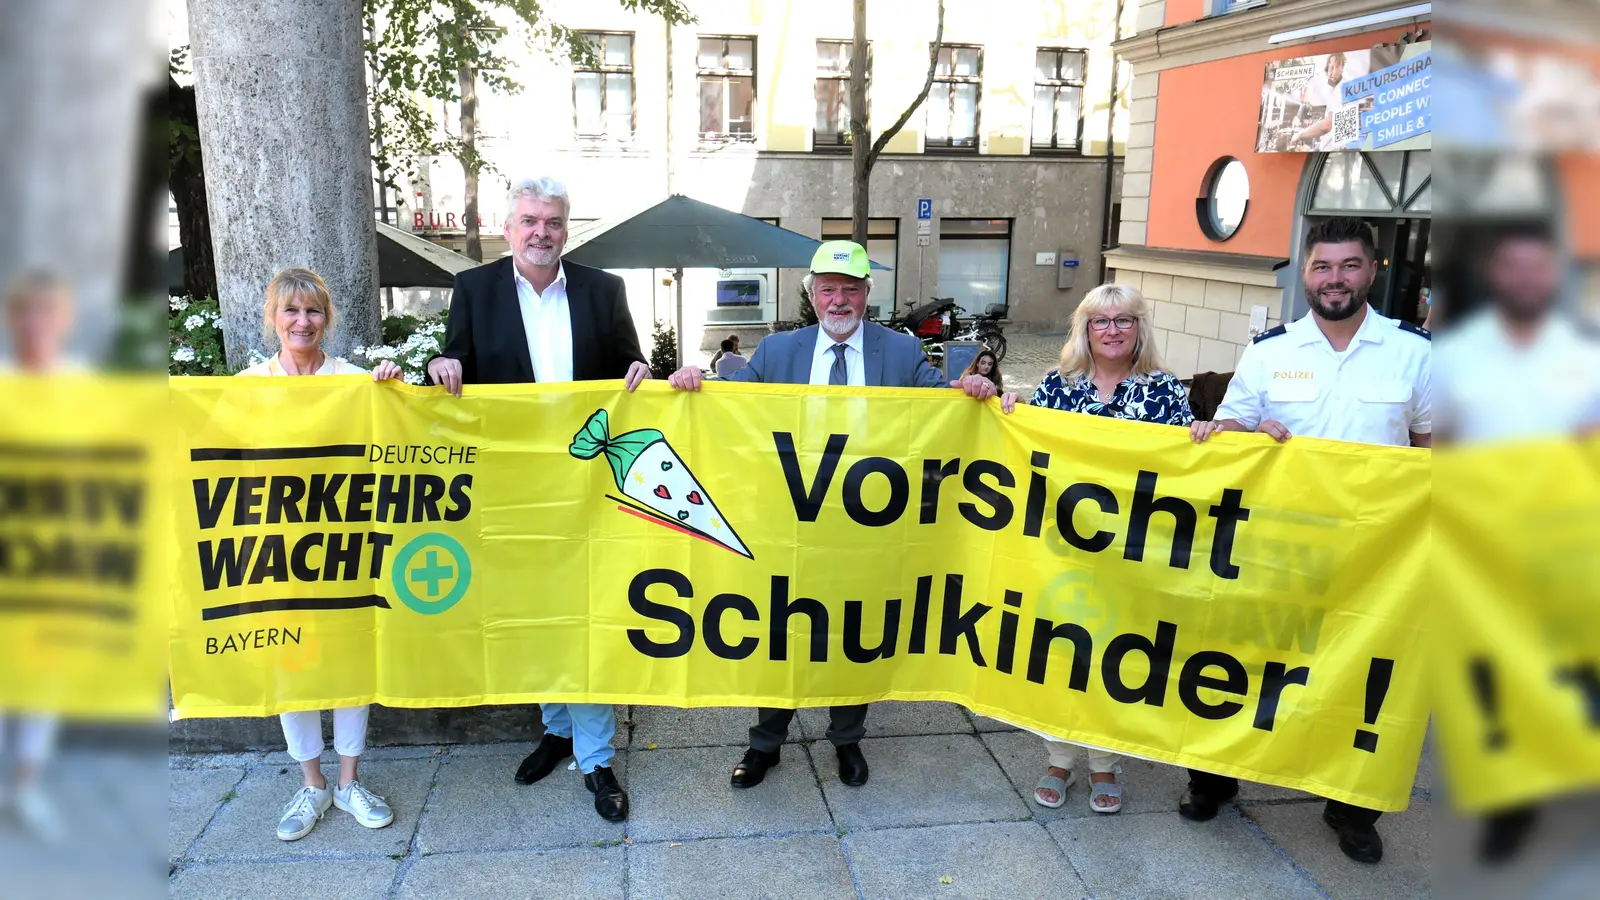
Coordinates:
(1158, 397)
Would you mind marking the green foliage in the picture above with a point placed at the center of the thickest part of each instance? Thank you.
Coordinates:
(808, 313)
(417, 48)
(410, 341)
(194, 338)
(664, 353)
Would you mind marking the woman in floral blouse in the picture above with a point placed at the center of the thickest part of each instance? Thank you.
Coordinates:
(1109, 367)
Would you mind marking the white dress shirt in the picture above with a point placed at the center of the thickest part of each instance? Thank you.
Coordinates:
(1377, 391)
(547, 319)
(1493, 390)
(855, 360)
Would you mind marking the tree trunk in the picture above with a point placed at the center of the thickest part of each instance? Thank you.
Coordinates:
(187, 180)
(468, 80)
(863, 156)
(860, 137)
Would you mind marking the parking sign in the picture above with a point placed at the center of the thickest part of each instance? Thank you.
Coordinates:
(925, 209)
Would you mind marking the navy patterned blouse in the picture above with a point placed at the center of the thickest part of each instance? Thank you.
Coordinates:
(1158, 397)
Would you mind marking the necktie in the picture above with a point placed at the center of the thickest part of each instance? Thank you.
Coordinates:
(838, 374)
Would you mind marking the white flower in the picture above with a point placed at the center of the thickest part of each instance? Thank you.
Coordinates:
(194, 322)
(256, 359)
(414, 378)
(183, 354)
(178, 304)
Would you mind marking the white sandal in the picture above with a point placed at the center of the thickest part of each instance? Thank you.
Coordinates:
(1052, 783)
(1112, 789)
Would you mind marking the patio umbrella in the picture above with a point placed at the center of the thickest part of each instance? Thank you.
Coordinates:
(404, 261)
(683, 233)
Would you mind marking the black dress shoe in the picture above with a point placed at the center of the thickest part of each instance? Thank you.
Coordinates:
(1358, 841)
(1197, 805)
(610, 800)
(1505, 833)
(852, 765)
(750, 770)
(542, 761)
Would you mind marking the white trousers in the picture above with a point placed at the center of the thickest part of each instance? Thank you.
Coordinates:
(1062, 752)
(303, 732)
(36, 736)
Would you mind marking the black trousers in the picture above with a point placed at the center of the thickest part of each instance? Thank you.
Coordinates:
(1207, 783)
(847, 724)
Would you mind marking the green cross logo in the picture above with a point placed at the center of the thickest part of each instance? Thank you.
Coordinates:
(432, 573)
(443, 562)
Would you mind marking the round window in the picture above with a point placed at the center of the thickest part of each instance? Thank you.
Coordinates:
(1224, 198)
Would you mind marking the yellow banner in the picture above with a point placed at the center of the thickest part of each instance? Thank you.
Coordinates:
(1518, 676)
(1241, 607)
(83, 529)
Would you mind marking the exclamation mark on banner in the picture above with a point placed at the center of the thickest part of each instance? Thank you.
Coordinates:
(1489, 701)
(1377, 688)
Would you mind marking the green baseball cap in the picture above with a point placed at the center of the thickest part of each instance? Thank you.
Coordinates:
(842, 257)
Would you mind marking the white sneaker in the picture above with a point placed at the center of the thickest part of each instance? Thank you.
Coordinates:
(370, 810)
(38, 813)
(302, 812)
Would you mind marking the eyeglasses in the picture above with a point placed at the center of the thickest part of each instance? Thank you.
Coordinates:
(1101, 323)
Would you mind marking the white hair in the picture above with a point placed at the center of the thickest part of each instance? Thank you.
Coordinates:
(542, 188)
(805, 283)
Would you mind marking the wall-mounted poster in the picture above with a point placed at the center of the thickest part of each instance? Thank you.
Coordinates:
(1353, 100)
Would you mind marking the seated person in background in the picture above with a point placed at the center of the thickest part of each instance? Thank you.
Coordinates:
(988, 366)
(728, 361)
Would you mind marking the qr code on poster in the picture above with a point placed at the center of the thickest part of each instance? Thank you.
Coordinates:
(1346, 125)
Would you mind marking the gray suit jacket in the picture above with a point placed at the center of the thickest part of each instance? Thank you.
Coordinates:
(893, 359)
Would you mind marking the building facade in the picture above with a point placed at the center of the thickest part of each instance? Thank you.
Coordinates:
(1237, 107)
(1018, 146)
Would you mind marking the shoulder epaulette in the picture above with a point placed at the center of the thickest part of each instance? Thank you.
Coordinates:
(1417, 330)
(1270, 333)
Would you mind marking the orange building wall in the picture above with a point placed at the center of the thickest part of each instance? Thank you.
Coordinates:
(1580, 185)
(1180, 11)
(1209, 111)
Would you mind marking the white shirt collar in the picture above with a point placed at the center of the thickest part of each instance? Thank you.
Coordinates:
(561, 277)
(856, 341)
(1306, 330)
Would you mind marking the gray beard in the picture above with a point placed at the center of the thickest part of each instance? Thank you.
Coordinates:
(540, 257)
(855, 323)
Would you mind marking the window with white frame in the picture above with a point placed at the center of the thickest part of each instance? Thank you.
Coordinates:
(1222, 7)
(832, 130)
(727, 67)
(602, 95)
(952, 104)
(1058, 98)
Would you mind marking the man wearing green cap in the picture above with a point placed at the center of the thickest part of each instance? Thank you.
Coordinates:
(841, 349)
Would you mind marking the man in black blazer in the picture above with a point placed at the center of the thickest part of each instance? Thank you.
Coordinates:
(532, 318)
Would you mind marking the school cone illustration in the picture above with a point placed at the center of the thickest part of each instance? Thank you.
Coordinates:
(656, 484)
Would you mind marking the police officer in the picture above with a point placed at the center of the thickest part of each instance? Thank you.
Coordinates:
(1344, 373)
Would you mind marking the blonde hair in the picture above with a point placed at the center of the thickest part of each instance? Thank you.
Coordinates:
(299, 283)
(1077, 360)
(36, 284)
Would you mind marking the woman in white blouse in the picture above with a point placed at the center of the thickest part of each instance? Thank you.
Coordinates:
(299, 311)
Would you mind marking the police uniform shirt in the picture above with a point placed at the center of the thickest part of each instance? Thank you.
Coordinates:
(1478, 360)
(1377, 391)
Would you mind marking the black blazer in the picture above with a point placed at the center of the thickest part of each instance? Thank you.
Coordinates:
(486, 334)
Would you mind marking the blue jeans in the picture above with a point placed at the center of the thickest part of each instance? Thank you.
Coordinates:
(589, 725)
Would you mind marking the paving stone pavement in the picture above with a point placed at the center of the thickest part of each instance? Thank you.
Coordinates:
(947, 814)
